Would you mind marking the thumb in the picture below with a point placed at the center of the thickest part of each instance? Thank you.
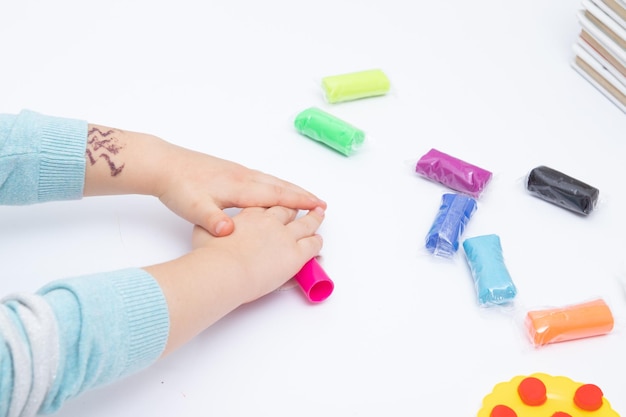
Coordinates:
(217, 222)
(200, 211)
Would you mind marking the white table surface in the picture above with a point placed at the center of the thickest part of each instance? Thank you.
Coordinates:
(489, 82)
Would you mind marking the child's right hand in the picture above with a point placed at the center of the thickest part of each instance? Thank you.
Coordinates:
(269, 246)
(194, 185)
(266, 249)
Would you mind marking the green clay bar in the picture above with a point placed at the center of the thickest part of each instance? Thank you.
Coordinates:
(356, 85)
(328, 129)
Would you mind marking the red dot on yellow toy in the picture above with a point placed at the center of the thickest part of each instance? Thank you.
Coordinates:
(561, 414)
(502, 410)
(589, 397)
(532, 391)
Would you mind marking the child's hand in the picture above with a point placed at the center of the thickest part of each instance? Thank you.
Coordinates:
(194, 185)
(266, 249)
(200, 186)
(269, 245)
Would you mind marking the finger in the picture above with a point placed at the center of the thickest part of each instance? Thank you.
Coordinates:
(221, 225)
(274, 180)
(291, 187)
(307, 225)
(268, 191)
(256, 209)
(206, 212)
(216, 221)
(311, 246)
(283, 214)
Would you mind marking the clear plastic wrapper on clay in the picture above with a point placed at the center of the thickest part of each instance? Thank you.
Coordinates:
(328, 129)
(452, 217)
(562, 190)
(492, 281)
(454, 173)
(570, 322)
(355, 85)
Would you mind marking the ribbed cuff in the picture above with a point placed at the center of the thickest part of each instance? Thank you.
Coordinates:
(147, 317)
(62, 162)
(110, 325)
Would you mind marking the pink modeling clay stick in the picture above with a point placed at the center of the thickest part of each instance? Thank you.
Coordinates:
(317, 286)
(453, 173)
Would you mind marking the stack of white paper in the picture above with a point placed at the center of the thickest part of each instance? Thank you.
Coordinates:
(601, 48)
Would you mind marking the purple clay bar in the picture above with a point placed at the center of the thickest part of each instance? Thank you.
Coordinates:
(453, 173)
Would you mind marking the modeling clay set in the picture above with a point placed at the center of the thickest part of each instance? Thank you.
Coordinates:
(341, 136)
(492, 281)
(539, 394)
(463, 184)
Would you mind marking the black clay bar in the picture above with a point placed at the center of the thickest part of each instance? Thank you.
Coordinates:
(560, 189)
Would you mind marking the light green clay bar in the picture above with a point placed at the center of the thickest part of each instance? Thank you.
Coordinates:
(356, 85)
(328, 129)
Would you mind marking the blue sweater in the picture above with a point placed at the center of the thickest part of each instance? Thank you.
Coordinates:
(78, 333)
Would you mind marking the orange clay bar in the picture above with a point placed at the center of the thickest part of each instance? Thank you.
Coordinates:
(578, 321)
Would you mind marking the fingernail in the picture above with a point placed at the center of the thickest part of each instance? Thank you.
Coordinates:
(219, 227)
(319, 211)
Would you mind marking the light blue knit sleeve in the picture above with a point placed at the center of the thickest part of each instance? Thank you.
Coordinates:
(42, 158)
(77, 334)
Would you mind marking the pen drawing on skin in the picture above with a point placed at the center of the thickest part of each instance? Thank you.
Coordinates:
(103, 144)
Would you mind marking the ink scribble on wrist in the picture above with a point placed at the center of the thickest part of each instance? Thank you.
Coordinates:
(102, 143)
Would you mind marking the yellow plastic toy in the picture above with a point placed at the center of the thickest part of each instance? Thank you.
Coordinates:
(543, 395)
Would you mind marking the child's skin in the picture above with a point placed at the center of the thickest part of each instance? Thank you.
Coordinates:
(194, 185)
(234, 260)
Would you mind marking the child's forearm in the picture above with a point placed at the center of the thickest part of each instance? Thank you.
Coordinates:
(199, 289)
(123, 162)
(194, 185)
(268, 247)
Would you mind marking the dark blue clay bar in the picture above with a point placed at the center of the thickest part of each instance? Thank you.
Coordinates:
(493, 283)
(454, 213)
(560, 189)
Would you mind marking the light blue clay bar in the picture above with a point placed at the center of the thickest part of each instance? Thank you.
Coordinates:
(329, 130)
(492, 280)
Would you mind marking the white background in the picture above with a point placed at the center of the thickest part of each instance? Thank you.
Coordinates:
(487, 81)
